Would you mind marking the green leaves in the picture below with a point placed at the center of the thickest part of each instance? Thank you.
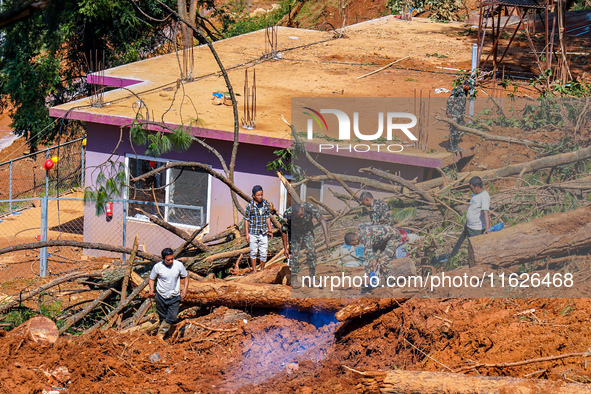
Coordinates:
(283, 161)
(109, 185)
(162, 142)
(442, 10)
(138, 134)
(181, 140)
(44, 59)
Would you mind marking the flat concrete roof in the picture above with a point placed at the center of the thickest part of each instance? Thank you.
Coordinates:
(311, 63)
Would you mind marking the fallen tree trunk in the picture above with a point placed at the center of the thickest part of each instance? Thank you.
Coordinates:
(488, 136)
(23, 297)
(175, 230)
(412, 382)
(138, 315)
(214, 263)
(191, 164)
(515, 169)
(551, 235)
(272, 275)
(119, 308)
(78, 244)
(136, 281)
(189, 241)
(365, 306)
(243, 295)
(224, 234)
(129, 269)
(76, 318)
(39, 329)
(294, 135)
(328, 209)
(294, 195)
(203, 265)
(361, 180)
(401, 181)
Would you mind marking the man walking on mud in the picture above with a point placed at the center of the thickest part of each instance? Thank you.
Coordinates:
(456, 110)
(168, 273)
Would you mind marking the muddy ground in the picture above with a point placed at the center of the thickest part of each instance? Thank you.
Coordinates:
(277, 352)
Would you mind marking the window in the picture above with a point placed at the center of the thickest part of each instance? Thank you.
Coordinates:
(187, 191)
(311, 189)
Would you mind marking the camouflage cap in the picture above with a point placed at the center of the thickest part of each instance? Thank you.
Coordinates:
(472, 83)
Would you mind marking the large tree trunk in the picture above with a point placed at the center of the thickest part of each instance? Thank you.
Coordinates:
(412, 382)
(243, 295)
(515, 169)
(273, 275)
(364, 306)
(551, 235)
(39, 329)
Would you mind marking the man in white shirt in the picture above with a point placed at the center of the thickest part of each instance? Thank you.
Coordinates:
(477, 217)
(168, 295)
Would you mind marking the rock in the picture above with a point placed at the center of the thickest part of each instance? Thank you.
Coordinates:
(291, 368)
(155, 358)
(258, 11)
(61, 374)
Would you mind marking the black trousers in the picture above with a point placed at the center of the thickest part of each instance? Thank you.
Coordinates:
(468, 232)
(167, 308)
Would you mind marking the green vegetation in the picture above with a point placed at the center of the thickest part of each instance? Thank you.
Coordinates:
(441, 10)
(235, 24)
(18, 316)
(436, 55)
(43, 59)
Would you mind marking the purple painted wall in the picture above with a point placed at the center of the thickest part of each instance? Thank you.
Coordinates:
(106, 142)
(101, 146)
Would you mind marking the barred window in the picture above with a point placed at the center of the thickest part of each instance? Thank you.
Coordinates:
(179, 196)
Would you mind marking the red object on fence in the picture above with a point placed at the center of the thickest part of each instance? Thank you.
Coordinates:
(152, 163)
(48, 164)
(109, 209)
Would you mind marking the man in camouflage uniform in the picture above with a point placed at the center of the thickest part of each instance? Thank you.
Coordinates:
(456, 110)
(379, 212)
(298, 223)
(380, 243)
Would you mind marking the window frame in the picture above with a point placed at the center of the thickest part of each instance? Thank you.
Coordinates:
(168, 179)
(303, 193)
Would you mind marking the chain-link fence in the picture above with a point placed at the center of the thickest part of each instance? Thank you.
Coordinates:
(25, 177)
(70, 219)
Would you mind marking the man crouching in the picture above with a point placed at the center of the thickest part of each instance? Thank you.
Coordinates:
(168, 296)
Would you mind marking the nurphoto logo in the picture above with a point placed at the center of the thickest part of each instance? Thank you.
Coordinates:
(388, 121)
